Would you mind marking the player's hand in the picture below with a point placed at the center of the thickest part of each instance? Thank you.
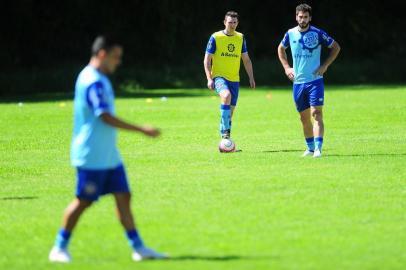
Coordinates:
(150, 131)
(252, 83)
(210, 84)
(320, 71)
(290, 73)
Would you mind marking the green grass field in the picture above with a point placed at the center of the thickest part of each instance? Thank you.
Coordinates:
(262, 208)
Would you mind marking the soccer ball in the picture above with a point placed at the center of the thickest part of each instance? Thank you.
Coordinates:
(226, 145)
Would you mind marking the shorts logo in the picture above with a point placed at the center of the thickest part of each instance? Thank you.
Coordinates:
(231, 47)
(320, 99)
(90, 189)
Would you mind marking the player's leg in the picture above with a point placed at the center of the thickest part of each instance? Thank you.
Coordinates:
(234, 90)
(75, 209)
(223, 91)
(70, 218)
(118, 185)
(305, 119)
(231, 117)
(318, 126)
(318, 129)
(73, 212)
(303, 107)
(225, 113)
(225, 97)
(316, 97)
(124, 214)
(87, 191)
(123, 210)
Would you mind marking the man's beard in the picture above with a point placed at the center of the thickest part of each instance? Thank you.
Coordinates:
(303, 25)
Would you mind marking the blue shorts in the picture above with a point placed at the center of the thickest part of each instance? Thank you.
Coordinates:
(221, 84)
(93, 183)
(308, 94)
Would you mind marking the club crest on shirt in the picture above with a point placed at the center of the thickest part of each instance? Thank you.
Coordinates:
(231, 47)
(310, 41)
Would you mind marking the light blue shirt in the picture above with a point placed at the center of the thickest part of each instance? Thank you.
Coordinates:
(306, 51)
(94, 142)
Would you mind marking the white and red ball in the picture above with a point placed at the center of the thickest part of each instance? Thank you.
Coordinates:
(226, 145)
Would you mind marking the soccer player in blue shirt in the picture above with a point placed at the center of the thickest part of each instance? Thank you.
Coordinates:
(305, 42)
(94, 152)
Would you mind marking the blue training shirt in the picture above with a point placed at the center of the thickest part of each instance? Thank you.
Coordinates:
(306, 51)
(94, 141)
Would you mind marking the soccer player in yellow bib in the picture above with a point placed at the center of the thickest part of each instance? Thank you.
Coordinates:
(224, 52)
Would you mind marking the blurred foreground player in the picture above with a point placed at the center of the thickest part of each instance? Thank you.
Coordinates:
(94, 152)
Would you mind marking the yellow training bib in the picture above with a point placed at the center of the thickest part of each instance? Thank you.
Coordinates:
(227, 57)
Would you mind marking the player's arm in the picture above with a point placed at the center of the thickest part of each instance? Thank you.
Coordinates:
(208, 61)
(248, 68)
(118, 123)
(283, 58)
(101, 107)
(207, 69)
(334, 51)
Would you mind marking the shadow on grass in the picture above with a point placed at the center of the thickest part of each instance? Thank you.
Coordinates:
(283, 151)
(224, 258)
(365, 155)
(17, 198)
(337, 155)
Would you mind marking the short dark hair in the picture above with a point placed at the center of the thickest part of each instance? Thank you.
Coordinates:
(104, 42)
(304, 8)
(232, 14)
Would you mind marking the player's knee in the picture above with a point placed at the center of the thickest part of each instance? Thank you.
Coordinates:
(83, 204)
(123, 199)
(127, 196)
(305, 119)
(226, 95)
(317, 115)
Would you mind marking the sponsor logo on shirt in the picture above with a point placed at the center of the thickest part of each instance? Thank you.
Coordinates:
(229, 54)
(305, 56)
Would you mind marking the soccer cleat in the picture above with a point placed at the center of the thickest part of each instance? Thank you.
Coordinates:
(308, 153)
(60, 255)
(144, 253)
(226, 134)
(317, 153)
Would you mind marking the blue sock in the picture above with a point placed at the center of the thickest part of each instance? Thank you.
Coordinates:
(62, 239)
(318, 141)
(225, 123)
(134, 239)
(310, 143)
